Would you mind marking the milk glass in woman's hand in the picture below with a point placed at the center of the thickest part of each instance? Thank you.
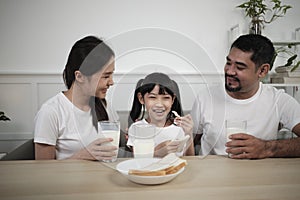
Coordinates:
(111, 129)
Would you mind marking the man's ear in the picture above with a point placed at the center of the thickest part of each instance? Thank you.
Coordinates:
(140, 98)
(263, 70)
(79, 76)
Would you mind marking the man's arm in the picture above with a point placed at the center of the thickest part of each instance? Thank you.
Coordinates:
(286, 148)
(248, 146)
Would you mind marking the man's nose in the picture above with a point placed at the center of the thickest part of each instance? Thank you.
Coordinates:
(231, 69)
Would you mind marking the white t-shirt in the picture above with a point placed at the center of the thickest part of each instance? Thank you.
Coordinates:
(162, 134)
(62, 124)
(263, 113)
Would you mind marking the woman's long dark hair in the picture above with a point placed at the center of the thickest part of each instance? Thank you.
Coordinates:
(89, 55)
(166, 86)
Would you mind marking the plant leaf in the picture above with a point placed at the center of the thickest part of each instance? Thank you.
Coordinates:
(296, 66)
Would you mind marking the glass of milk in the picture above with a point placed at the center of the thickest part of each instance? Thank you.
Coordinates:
(143, 144)
(235, 126)
(111, 129)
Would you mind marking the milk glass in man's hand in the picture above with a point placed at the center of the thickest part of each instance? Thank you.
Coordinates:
(143, 144)
(233, 127)
(111, 129)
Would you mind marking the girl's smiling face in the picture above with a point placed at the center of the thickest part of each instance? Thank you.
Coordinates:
(157, 105)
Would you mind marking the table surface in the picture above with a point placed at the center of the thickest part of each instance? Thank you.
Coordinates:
(212, 177)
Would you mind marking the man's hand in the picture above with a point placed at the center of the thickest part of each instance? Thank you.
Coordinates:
(245, 146)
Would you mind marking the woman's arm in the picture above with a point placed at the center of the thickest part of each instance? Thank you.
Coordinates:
(44, 151)
(94, 151)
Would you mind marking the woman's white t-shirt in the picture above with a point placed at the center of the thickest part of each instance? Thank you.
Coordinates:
(63, 125)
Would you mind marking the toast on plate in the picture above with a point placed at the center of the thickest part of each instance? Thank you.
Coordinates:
(170, 164)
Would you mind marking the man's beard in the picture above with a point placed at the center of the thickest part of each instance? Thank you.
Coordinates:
(230, 89)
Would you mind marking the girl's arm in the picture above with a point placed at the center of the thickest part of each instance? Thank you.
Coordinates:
(165, 148)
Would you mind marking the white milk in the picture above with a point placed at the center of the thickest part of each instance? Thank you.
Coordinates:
(143, 148)
(115, 135)
(230, 131)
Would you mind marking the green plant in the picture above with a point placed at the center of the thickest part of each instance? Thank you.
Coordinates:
(3, 117)
(291, 61)
(257, 9)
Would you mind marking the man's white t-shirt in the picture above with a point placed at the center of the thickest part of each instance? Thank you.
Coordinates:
(263, 113)
(63, 125)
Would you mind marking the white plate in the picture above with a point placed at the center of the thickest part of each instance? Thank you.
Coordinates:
(125, 166)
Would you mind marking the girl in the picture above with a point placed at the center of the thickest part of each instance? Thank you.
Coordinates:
(156, 95)
(66, 125)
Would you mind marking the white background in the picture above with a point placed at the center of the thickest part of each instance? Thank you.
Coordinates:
(36, 35)
(179, 37)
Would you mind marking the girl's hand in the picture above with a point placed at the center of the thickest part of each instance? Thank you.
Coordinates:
(165, 148)
(186, 122)
(96, 151)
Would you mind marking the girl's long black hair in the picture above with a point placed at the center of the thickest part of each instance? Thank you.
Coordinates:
(166, 86)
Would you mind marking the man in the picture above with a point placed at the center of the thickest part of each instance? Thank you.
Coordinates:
(244, 97)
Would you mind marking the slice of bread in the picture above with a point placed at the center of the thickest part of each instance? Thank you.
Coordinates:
(147, 173)
(176, 168)
(169, 164)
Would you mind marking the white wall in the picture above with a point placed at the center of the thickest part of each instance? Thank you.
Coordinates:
(180, 37)
(36, 35)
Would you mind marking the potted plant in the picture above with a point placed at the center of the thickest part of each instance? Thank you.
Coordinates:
(257, 10)
(3, 117)
(291, 64)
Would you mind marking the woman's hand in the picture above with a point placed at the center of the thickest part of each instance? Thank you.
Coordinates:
(96, 150)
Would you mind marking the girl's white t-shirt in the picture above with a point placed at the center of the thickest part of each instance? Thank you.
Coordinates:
(162, 134)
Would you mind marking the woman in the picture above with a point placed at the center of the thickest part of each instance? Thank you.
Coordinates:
(66, 125)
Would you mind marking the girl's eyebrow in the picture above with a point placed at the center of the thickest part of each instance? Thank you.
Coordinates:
(153, 93)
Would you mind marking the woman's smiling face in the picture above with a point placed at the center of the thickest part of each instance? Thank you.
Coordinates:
(157, 105)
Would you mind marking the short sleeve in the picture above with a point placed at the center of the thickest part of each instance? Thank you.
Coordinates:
(195, 113)
(46, 126)
(289, 111)
(130, 137)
